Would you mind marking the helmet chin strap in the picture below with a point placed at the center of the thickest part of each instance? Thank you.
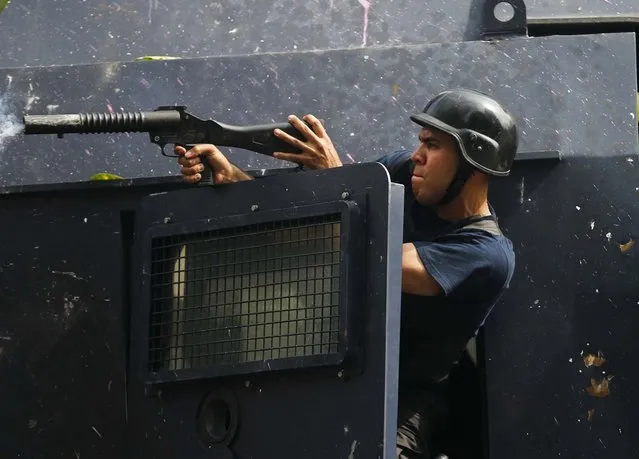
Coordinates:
(463, 173)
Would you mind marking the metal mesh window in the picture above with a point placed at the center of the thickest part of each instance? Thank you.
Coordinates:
(247, 294)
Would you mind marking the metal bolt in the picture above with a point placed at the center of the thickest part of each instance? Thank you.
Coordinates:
(254, 208)
(156, 138)
(345, 195)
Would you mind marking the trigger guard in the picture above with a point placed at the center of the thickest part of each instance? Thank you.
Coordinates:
(163, 149)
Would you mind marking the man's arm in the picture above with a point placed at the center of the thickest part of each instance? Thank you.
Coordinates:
(238, 175)
(416, 279)
(444, 265)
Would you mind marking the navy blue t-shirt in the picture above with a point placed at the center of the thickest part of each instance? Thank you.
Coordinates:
(473, 265)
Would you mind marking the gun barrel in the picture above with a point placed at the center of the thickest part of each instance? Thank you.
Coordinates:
(90, 123)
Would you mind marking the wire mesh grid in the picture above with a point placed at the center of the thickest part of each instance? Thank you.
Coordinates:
(247, 294)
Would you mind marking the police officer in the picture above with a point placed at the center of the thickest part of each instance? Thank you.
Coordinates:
(456, 261)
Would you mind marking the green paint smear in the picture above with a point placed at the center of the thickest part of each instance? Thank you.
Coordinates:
(4, 4)
(105, 176)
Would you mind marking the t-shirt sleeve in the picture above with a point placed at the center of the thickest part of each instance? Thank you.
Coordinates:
(392, 161)
(457, 260)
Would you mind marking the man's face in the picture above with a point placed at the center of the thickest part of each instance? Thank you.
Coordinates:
(436, 160)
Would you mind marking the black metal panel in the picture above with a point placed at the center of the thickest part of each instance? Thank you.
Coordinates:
(582, 8)
(571, 94)
(38, 32)
(574, 294)
(64, 333)
(41, 32)
(281, 412)
(63, 321)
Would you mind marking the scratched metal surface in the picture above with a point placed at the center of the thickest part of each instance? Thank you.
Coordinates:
(573, 298)
(574, 94)
(64, 331)
(44, 32)
(62, 327)
(549, 8)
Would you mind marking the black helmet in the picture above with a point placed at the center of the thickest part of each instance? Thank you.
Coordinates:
(485, 132)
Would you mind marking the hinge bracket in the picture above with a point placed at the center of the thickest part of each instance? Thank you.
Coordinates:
(504, 18)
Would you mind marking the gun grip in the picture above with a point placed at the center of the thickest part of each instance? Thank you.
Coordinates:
(207, 174)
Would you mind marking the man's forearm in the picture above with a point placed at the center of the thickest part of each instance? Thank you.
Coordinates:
(239, 175)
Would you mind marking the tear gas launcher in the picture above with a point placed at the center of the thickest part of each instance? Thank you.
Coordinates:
(168, 125)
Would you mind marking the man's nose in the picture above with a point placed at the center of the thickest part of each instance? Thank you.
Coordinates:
(418, 157)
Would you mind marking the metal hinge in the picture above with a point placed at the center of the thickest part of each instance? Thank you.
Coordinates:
(504, 18)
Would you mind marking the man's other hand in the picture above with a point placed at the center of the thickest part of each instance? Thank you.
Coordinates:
(317, 152)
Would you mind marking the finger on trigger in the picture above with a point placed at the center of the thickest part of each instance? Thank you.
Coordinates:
(188, 162)
(205, 150)
(195, 151)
